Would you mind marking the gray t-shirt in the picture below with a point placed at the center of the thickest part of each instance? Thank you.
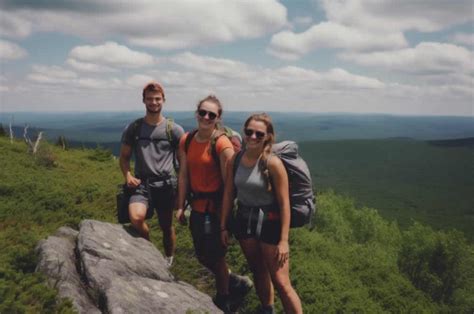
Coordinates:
(153, 152)
(251, 186)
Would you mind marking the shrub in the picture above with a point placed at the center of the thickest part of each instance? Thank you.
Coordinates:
(100, 154)
(45, 157)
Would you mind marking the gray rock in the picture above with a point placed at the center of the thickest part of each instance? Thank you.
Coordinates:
(118, 271)
(57, 261)
(108, 250)
(141, 295)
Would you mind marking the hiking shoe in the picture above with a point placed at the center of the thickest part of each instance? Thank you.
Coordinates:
(222, 302)
(169, 261)
(239, 286)
(267, 309)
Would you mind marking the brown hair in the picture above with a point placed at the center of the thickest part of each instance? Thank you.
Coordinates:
(214, 100)
(267, 145)
(153, 87)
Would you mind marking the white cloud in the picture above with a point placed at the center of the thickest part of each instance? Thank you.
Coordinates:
(3, 80)
(51, 75)
(11, 51)
(166, 24)
(389, 15)
(94, 83)
(290, 45)
(286, 88)
(218, 66)
(302, 21)
(425, 58)
(238, 76)
(14, 26)
(88, 67)
(464, 39)
(111, 54)
(139, 80)
(55, 76)
(297, 78)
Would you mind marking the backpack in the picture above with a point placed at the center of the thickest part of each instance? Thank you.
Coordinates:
(232, 135)
(302, 199)
(136, 126)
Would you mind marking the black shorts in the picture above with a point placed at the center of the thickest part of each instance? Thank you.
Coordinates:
(208, 246)
(161, 198)
(245, 228)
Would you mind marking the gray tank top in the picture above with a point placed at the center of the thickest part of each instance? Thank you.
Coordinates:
(251, 186)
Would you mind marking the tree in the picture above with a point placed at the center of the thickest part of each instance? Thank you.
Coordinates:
(2, 131)
(62, 142)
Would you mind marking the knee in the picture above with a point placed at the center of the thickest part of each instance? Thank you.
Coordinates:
(282, 285)
(137, 220)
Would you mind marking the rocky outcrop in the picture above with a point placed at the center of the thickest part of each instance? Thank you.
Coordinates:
(104, 268)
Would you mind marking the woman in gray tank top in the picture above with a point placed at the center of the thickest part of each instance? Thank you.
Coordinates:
(262, 221)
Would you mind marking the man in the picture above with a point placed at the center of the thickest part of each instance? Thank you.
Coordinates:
(154, 141)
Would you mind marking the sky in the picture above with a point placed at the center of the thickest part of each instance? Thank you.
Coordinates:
(408, 57)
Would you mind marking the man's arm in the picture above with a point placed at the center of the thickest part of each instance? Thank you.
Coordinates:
(125, 156)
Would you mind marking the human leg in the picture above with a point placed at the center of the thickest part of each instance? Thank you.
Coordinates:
(137, 212)
(262, 279)
(165, 218)
(211, 254)
(280, 277)
(164, 200)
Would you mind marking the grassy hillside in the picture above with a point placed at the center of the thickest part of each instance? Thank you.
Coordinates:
(406, 180)
(354, 261)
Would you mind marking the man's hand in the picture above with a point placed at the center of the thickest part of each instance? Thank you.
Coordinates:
(180, 216)
(132, 181)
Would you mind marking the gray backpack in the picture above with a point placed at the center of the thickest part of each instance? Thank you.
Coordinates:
(302, 197)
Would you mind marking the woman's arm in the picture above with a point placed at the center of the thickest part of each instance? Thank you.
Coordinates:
(227, 200)
(224, 158)
(182, 186)
(279, 179)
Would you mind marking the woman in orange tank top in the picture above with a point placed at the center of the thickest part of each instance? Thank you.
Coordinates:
(202, 175)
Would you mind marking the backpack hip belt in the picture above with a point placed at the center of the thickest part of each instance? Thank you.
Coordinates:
(159, 181)
(205, 195)
(261, 213)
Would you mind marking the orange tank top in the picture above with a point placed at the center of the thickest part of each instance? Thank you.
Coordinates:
(204, 173)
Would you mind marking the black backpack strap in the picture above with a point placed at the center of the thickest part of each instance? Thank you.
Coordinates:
(173, 143)
(135, 131)
(237, 159)
(214, 154)
(169, 132)
(188, 140)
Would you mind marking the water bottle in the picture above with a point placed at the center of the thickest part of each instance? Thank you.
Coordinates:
(207, 224)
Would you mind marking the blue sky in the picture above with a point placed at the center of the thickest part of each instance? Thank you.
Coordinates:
(363, 56)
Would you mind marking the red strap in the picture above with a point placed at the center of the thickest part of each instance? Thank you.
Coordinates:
(273, 215)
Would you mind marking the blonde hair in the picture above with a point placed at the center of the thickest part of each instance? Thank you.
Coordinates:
(267, 144)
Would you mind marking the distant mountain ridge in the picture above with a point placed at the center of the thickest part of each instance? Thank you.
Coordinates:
(107, 127)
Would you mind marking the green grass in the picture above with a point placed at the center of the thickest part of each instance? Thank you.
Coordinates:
(404, 179)
(354, 261)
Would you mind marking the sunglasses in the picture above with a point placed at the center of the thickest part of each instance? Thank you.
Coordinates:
(259, 135)
(211, 115)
